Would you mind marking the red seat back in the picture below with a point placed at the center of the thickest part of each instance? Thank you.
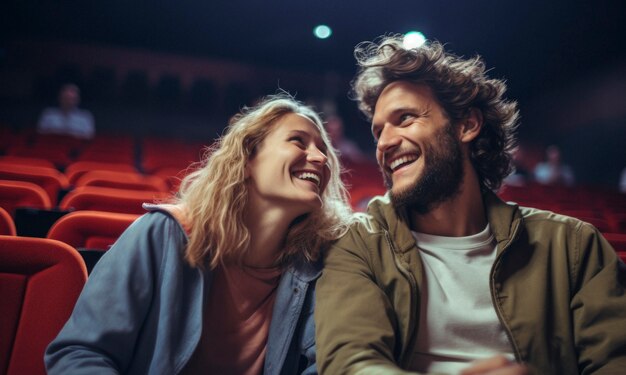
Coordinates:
(15, 194)
(40, 280)
(617, 240)
(7, 226)
(51, 180)
(75, 170)
(91, 229)
(123, 180)
(95, 198)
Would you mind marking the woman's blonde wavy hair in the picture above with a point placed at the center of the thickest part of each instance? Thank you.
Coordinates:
(214, 196)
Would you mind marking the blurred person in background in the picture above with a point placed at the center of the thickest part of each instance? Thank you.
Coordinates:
(67, 119)
(519, 176)
(349, 151)
(222, 279)
(552, 171)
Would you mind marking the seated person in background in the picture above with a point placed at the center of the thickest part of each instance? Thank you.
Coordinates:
(222, 280)
(68, 119)
(519, 176)
(553, 171)
(441, 276)
(348, 150)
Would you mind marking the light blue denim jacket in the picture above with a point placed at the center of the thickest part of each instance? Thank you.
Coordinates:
(141, 310)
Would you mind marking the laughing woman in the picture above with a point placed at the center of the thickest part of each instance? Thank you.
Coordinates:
(221, 281)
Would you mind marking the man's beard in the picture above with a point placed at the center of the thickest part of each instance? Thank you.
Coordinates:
(440, 180)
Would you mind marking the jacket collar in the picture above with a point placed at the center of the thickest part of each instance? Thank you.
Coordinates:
(394, 222)
(504, 220)
(304, 270)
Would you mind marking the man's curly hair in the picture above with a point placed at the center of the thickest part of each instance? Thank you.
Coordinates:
(458, 84)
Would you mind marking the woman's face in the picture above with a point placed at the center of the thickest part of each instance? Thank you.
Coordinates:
(288, 168)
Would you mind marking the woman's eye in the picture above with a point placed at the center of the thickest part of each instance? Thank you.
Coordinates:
(297, 140)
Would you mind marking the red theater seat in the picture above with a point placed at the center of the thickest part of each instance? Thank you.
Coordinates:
(14, 194)
(123, 180)
(361, 195)
(91, 229)
(19, 160)
(75, 170)
(51, 180)
(7, 226)
(617, 240)
(40, 280)
(96, 198)
(173, 176)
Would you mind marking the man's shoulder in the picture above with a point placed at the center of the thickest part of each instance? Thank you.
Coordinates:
(546, 217)
(375, 222)
(380, 212)
(546, 223)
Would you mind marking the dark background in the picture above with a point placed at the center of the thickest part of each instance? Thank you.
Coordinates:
(564, 61)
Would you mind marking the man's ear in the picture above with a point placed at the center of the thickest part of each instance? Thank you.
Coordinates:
(470, 127)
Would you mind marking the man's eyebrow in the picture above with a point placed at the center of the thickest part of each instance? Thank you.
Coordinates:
(396, 111)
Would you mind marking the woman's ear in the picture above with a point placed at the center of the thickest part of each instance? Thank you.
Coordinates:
(471, 126)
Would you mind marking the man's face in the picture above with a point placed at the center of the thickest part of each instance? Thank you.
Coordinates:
(417, 147)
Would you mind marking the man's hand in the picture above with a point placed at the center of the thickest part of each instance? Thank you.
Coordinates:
(498, 365)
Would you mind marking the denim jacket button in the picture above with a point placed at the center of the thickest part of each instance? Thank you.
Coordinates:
(296, 290)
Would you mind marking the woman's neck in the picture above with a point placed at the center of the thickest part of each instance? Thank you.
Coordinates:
(268, 227)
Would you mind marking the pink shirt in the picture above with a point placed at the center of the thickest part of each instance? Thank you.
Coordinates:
(236, 322)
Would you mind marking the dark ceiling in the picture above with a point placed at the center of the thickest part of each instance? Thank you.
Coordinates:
(535, 44)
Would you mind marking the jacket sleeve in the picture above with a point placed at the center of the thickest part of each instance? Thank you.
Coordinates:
(100, 335)
(353, 316)
(599, 305)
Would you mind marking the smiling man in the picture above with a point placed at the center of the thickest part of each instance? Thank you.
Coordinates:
(441, 276)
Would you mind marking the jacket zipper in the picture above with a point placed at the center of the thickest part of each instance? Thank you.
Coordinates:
(413, 298)
(496, 305)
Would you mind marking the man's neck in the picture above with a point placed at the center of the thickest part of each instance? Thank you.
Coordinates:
(462, 215)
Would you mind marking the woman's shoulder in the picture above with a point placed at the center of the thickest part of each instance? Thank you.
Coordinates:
(150, 233)
(168, 214)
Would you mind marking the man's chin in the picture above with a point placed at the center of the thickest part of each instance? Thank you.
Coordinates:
(400, 195)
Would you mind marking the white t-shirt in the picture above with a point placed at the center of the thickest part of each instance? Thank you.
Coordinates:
(77, 123)
(458, 322)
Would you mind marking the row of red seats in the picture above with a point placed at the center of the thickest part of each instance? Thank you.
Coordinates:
(604, 208)
(149, 154)
(93, 181)
(25, 185)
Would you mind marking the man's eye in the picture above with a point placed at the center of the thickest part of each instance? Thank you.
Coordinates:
(405, 117)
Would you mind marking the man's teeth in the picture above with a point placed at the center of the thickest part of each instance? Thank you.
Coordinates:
(405, 159)
(311, 177)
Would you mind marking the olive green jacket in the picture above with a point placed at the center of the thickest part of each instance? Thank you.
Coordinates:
(556, 285)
